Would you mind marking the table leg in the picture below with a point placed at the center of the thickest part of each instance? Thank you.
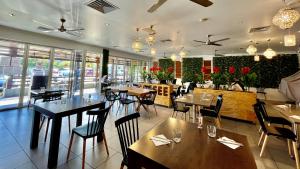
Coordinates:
(54, 142)
(79, 119)
(194, 113)
(132, 161)
(139, 105)
(35, 129)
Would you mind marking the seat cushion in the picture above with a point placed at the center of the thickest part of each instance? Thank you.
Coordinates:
(126, 101)
(279, 120)
(183, 109)
(208, 112)
(83, 132)
(281, 132)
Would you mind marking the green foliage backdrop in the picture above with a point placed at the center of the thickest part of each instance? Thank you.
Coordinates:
(190, 67)
(269, 71)
(165, 63)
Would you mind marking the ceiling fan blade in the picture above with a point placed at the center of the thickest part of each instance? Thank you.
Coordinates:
(73, 34)
(156, 6)
(205, 3)
(220, 40)
(215, 44)
(199, 41)
(149, 31)
(45, 29)
(75, 29)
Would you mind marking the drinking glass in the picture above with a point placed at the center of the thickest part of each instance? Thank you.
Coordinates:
(200, 121)
(177, 135)
(211, 131)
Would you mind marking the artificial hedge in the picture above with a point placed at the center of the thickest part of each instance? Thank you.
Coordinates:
(164, 64)
(269, 71)
(190, 67)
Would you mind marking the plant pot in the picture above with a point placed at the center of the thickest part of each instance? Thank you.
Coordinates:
(163, 81)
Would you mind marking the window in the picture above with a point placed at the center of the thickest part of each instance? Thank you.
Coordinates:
(92, 72)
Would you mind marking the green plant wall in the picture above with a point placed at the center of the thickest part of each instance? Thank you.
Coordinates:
(164, 64)
(190, 67)
(269, 71)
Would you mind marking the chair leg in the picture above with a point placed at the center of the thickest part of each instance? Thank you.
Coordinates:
(70, 146)
(184, 116)
(105, 142)
(83, 153)
(42, 123)
(261, 138)
(296, 154)
(122, 165)
(264, 146)
(173, 113)
(155, 109)
(219, 122)
(47, 127)
(69, 121)
(289, 147)
(93, 142)
(259, 129)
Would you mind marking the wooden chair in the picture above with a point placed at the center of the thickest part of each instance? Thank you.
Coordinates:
(214, 111)
(277, 132)
(178, 107)
(111, 97)
(124, 101)
(94, 128)
(149, 99)
(186, 88)
(128, 131)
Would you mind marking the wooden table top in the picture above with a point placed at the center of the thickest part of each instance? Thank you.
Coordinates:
(199, 99)
(292, 114)
(132, 90)
(196, 150)
(71, 106)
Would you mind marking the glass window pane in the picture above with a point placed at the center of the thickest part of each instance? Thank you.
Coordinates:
(92, 67)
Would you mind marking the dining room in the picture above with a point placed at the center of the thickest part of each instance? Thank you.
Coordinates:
(154, 84)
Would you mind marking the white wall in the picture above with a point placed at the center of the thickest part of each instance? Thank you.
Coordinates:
(8, 33)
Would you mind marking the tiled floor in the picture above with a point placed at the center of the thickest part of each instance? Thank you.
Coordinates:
(15, 130)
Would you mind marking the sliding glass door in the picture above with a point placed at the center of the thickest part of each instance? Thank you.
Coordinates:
(92, 72)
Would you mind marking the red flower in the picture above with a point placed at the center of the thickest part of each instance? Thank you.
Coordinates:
(216, 69)
(158, 68)
(204, 70)
(245, 70)
(144, 68)
(152, 69)
(171, 69)
(231, 70)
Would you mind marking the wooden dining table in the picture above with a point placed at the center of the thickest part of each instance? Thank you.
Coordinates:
(196, 99)
(56, 110)
(195, 151)
(134, 91)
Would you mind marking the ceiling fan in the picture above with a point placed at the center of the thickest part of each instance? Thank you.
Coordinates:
(211, 43)
(150, 30)
(74, 31)
(205, 3)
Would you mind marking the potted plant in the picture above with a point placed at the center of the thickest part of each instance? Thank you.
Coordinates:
(248, 79)
(199, 80)
(217, 77)
(144, 74)
(230, 76)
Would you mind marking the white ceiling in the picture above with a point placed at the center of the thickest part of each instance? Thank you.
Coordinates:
(227, 18)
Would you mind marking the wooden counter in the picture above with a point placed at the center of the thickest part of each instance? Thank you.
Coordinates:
(236, 104)
(163, 93)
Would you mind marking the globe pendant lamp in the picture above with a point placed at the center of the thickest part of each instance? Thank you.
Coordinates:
(137, 45)
(289, 40)
(269, 53)
(153, 51)
(256, 58)
(173, 57)
(150, 40)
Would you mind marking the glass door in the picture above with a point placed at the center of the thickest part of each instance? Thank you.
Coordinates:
(92, 72)
(120, 71)
(11, 65)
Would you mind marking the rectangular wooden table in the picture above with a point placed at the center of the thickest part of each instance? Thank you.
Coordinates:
(56, 111)
(196, 99)
(134, 91)
(195, 151)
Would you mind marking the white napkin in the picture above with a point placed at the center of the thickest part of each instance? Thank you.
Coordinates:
(295, 117)
(229, 142)
(160, 140)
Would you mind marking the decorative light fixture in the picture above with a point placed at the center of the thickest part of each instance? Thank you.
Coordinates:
(182, 53)
(137, 45)
(289, 40)
(256, 58)
(269, 53)
(173, 57)
(153, 51)
(285, 18)
(150, 39)
(251, 50)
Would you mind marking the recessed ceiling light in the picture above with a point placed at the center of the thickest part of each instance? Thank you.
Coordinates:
(203, 19)
(107, 24)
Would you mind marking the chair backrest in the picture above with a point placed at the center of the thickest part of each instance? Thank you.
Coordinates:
(187, 86)
(219, 104)
(259, 116)
(174, 81)
(178, 91)
(128, 131)
(96, 120)
(173, 98)
(52, 95)
(109, 94)
(151, 96)
(263, 110)
(123, 94)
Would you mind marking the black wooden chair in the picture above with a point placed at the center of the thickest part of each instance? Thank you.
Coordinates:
(271, 119)
(149, 100)
(214, 111)
(185, 88)
(128, 131)
(111, 97)
(178, 91)
(277, 132)
(49, 96)
(125, 101)
(94, 128)
(178, 107)
(174, 81)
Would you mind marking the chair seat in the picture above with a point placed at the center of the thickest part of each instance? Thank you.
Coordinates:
(279, 120)
(127, 101)
(183, 109)
(112, 98)
(147, 102)
(281, 132)
(83, 132)
(207, 112)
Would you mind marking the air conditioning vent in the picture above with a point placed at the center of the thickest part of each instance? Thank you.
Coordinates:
(102, 6)
(259, 29)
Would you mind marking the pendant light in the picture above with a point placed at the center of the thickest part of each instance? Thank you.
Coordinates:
(269, 53)
(153, 51)
(289, 40)
(251, 50)
(137, 45)
(256, 58)
(173, 57)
